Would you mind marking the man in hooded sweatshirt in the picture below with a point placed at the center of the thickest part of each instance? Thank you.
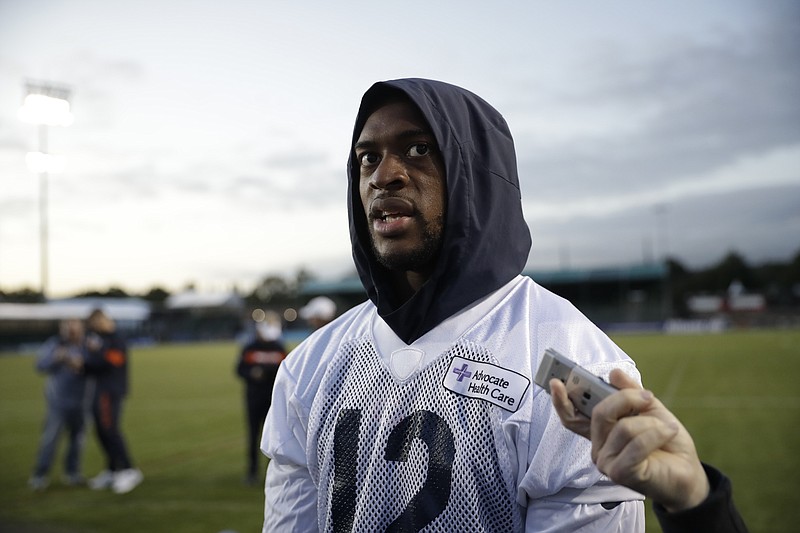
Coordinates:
(416, 410)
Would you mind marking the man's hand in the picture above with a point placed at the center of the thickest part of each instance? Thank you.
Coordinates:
(75, 363)
(639, 443)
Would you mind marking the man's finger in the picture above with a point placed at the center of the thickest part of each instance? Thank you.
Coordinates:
(632, 441)
(621, 380)
(608, 412)
(570, 417)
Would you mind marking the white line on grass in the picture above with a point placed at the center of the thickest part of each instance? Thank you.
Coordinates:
(674, 382)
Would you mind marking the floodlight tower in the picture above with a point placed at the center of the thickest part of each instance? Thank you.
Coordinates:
(45, 104)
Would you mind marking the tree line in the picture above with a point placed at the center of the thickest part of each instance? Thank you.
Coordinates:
(778, 281)
(272, 288)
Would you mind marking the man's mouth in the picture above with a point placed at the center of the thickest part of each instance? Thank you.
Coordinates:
(390, 216)
(389, 209)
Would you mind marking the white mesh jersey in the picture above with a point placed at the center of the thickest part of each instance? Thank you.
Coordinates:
(448, 434)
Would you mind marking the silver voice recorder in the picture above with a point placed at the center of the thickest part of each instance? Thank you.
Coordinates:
(584, 388)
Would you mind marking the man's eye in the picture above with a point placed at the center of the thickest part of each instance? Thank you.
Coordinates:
(418, 150)
(368, 159)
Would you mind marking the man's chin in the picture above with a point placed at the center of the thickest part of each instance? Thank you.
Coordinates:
(405, 257)
(401, 260)
(398, 262)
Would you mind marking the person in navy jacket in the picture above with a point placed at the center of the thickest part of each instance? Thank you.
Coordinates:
(257, 366)
(108, 360)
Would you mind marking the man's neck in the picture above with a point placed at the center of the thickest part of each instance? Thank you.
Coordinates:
(407, 283)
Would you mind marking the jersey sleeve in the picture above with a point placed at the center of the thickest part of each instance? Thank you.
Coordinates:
(559, 461)
(290, 493)
(558, 517)
(291, 499)
(563, 489)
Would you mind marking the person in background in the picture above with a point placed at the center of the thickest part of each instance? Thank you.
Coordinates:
(318, 311)
(67, 395)
(654, 454)
(257, 366)
(108, 359)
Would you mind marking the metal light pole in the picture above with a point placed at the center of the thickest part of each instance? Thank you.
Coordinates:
(661, 231)
(45, 104)
(44, 270)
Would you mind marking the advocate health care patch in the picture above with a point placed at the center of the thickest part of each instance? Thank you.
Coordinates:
(484, 381)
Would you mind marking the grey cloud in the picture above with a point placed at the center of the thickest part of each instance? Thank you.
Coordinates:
(277, 187)
(759, 223)
(291, 160)
(290, 181)
(253, 189)
(289, 190)
(96, 81)
(132, 182)
(312, 178)
(709, 104)
(140, 180)
(85, 68)
(16, 207)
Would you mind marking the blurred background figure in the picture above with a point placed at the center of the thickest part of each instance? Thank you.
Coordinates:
(318, 311)
(107, 359)
(257, 366)
(67, 395)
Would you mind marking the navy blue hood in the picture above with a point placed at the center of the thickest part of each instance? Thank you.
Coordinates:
(486, 239)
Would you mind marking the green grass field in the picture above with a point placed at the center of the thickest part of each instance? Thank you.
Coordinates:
(184, 421)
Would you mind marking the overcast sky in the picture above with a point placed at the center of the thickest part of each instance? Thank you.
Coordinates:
(210, 138)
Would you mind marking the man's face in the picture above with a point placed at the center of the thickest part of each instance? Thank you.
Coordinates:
(101, 323)
(72, 330)
(402, 187)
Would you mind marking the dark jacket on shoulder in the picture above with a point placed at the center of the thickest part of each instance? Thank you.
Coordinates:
(717, 514)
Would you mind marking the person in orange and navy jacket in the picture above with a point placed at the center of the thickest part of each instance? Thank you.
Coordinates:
(258, 365)
(107, 359)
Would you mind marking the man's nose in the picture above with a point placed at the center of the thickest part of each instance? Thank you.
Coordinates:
(391, 173)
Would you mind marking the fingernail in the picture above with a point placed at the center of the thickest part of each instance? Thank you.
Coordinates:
(647, 395)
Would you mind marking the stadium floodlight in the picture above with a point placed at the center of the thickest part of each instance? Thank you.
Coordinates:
(45, 104)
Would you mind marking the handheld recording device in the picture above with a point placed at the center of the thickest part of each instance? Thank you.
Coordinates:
(583, 388)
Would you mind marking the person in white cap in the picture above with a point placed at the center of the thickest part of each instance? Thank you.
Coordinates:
(318, 311)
